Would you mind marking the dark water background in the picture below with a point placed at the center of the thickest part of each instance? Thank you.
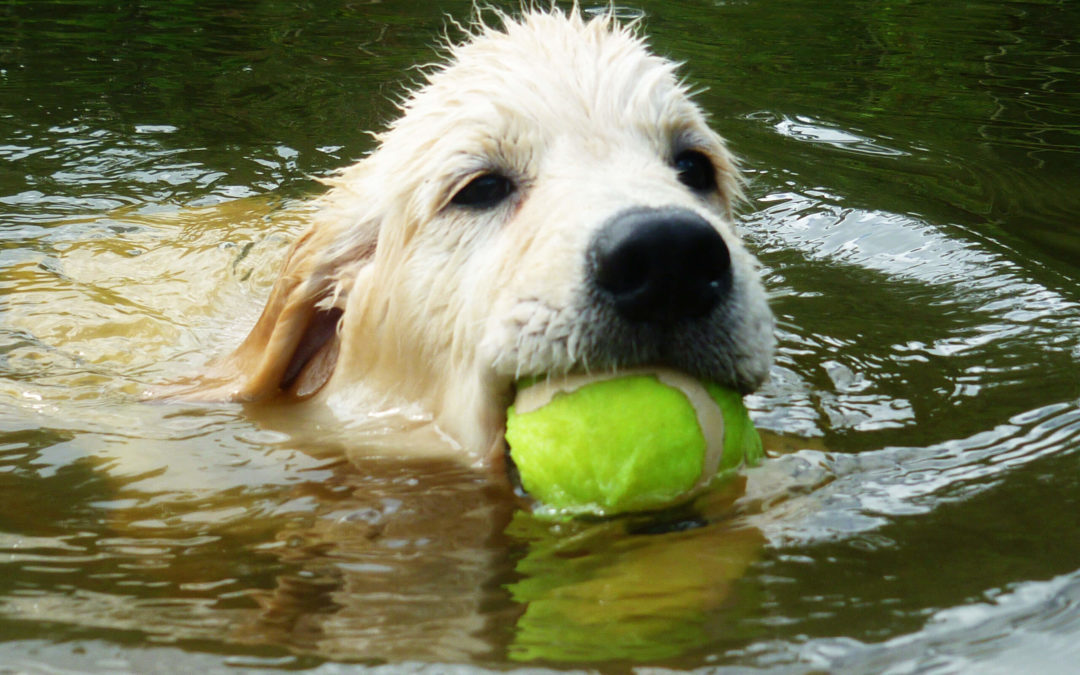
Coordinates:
(913, 192)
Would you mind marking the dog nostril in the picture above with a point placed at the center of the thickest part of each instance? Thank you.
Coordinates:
(660, 265)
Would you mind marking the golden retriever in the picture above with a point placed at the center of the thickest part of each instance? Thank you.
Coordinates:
(550, 201)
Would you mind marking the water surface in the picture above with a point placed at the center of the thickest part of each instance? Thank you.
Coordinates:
(912, 196)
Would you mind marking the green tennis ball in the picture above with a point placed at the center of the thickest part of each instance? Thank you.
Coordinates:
(632, 442)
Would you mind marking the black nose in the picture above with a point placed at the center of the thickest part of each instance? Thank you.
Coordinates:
(660, 265)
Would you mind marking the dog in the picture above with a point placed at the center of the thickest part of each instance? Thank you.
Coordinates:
(551, 200)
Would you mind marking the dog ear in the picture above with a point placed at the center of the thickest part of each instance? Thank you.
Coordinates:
(293, 347)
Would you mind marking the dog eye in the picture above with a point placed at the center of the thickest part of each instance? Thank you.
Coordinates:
(696, 171)
(484, 191)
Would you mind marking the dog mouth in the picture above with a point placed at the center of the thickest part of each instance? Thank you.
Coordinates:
(530, 393)
(533, 395)
(661, 291)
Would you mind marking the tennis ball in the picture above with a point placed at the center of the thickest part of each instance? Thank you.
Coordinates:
(632, 441)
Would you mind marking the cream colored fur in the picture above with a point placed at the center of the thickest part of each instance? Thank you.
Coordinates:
(443, 307)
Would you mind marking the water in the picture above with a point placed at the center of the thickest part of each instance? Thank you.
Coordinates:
(912, 194)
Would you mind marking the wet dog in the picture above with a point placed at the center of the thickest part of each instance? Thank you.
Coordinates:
(551, 200)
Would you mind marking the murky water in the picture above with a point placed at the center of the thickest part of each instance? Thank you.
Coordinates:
(913, 172)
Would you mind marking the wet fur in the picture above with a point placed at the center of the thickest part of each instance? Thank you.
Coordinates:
(396, 299)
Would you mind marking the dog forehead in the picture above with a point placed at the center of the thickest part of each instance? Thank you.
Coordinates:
(550, 73)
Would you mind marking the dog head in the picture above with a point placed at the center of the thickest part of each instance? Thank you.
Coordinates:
(551, 200)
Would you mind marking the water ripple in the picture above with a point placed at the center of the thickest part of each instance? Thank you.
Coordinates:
(1034, 622)
(850, 494)
(910, 321)
(809, 130)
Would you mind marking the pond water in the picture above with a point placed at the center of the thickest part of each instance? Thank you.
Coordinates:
(914, 194)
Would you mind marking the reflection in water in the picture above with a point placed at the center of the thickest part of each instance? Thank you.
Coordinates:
(381, 560)
(602, 595)
(912, 167)
(385, 572)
